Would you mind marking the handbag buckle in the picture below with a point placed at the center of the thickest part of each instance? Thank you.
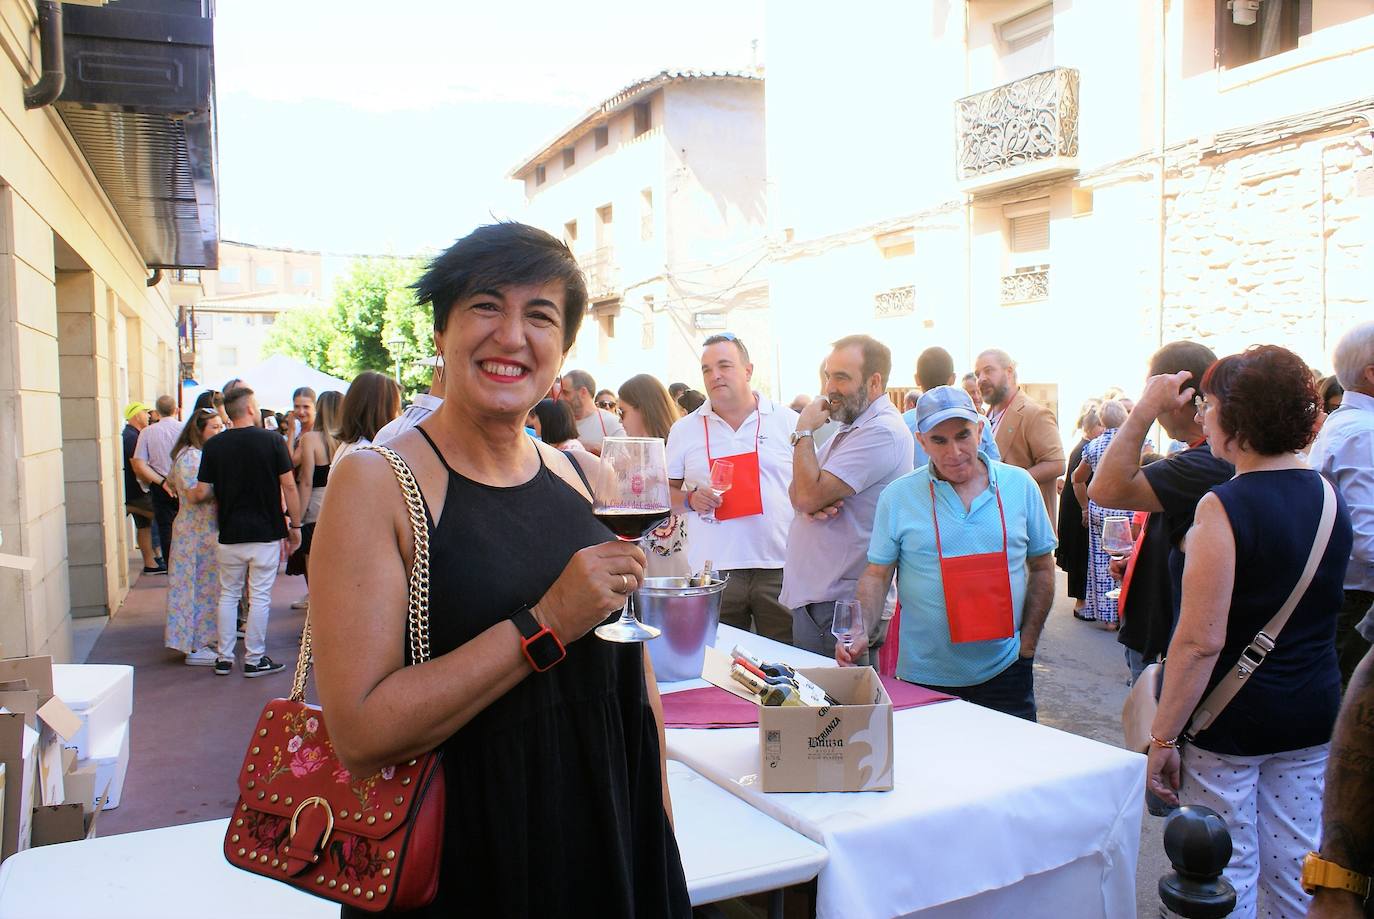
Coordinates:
(312, 855)
(1254, 654)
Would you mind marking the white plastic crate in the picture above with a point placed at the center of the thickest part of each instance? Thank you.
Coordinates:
(111, 760)
(102, 696)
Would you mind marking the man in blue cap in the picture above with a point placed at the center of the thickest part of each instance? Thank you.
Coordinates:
(973, 543)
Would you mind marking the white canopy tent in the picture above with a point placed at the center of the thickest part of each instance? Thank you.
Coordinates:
(274, 380)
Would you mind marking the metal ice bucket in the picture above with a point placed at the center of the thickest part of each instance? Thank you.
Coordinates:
(688, 617)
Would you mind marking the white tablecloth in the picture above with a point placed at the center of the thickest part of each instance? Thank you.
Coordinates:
(982, 801)
(728, 850)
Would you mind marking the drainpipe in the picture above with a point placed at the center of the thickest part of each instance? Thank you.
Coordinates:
(155, 279)
(54, 67)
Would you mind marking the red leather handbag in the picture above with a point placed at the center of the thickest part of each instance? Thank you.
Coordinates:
(373, 842)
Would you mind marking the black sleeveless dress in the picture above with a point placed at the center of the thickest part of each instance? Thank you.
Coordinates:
(555, 802)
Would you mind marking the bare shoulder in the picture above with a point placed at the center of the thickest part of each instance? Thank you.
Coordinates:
(561, 464)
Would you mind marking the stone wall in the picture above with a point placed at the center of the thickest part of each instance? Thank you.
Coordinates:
(1271, 245)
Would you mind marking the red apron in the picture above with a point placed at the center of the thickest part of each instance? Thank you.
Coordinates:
(745, 497)
(977, 588)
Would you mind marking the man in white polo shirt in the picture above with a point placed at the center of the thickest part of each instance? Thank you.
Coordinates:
(593, 424)
(742, 533)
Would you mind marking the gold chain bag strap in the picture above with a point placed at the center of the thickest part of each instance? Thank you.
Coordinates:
(372, 842)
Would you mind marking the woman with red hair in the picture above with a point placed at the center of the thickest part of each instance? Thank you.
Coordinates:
(1260, 762)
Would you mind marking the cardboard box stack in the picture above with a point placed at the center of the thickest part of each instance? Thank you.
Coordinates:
(842, 747)
(50, 792)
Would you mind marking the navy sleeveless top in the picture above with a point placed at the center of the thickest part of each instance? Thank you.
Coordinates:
(1290, 702)
(554, 795)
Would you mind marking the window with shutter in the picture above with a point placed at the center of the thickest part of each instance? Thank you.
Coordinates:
(1030, 232)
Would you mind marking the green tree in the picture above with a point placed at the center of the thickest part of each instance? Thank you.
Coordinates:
(307, 334)
(413, 325)
(359, 313)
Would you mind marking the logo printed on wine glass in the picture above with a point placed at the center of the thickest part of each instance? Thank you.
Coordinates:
(637, 484)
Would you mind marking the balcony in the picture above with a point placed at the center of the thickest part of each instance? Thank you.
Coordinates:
(1023, 131)
(603, 274)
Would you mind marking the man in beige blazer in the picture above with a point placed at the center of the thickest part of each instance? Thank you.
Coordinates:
(1026, 433)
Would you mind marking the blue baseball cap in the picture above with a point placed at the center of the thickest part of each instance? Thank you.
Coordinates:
(941, 404)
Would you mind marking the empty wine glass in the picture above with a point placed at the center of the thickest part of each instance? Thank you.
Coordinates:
(848, 626)
(632, 500)
(1117, 542)
(722, 476)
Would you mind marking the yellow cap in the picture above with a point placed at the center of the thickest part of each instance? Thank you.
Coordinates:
(133, 408)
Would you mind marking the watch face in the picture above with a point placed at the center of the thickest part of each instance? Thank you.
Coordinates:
(545, 651)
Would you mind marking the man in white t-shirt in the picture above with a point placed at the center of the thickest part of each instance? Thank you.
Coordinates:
(593, 424)
(742, 533)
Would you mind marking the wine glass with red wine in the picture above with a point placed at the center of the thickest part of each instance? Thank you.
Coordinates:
(632, 500)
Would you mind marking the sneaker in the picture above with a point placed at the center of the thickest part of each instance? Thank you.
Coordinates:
(302, 603)
(263, 667)
(238, 629)
(205, 657)
(222, 668)
(156, 569)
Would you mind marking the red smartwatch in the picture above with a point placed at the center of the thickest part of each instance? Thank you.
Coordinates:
(541, 647)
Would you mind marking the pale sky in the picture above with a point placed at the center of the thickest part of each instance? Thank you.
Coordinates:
(364, 127)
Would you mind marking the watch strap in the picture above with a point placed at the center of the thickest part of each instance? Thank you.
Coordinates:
(524, 621)
(1318, 872)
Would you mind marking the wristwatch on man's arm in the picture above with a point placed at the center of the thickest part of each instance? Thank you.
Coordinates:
(1318, 872)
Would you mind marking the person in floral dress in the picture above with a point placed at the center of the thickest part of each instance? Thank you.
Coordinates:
(1097, 605)
(193, 577)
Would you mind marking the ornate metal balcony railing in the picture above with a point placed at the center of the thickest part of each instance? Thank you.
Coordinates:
(1026, 284)
(603, 274)
(899, 301)
(1018, 126)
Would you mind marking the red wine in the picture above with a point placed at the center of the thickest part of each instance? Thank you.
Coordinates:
(630, 523)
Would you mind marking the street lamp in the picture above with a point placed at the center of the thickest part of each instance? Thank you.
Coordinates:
(395, 345)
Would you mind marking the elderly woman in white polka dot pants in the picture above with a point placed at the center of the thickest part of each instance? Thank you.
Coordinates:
(1260, 762)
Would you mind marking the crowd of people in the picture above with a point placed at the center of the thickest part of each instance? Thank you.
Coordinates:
(944, 511)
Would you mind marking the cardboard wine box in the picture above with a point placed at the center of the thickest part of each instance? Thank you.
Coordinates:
(845, 747)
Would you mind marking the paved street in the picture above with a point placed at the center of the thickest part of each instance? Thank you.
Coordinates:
(189, 727)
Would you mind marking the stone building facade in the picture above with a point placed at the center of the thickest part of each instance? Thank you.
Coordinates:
(87, 323)
(1076, 183)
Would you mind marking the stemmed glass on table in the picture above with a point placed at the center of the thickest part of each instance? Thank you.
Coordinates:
(722, 476)
(632, 500)
(1118, 542)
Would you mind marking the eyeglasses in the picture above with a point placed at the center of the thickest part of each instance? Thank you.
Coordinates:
(719, 337)
(1200, 403)
(607, 405)
(208, 411)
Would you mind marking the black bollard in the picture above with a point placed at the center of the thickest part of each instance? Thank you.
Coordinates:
(1199, 846)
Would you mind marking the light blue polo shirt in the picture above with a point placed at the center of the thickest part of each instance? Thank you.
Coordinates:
(902, 533)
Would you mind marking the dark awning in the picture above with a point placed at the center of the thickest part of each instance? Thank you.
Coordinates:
(139, 99)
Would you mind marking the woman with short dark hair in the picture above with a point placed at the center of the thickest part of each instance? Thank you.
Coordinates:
(1260, 762)
(552, 738)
